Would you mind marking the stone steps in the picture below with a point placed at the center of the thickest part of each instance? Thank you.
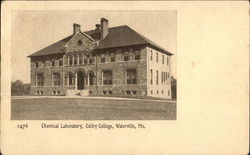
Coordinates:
(77, 92)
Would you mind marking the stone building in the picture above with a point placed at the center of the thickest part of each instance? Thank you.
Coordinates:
(114, 61)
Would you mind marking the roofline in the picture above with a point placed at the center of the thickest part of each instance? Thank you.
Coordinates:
(161, 50)
(30, 56)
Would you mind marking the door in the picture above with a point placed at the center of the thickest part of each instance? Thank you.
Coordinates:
(80, 80)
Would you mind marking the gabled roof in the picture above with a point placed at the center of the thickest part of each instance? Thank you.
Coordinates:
(120, 36)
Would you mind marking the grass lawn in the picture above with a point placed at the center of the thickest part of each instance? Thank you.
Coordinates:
(91, 109)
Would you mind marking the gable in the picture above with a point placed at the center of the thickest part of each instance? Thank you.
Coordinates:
(80, 42)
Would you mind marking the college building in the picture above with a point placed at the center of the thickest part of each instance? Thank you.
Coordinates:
(106, 61)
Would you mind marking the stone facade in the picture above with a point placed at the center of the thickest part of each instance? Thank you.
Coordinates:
(119, 71)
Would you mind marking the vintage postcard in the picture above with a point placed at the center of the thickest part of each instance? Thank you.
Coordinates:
(119, 77)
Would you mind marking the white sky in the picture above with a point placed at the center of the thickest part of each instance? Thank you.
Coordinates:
(34, 30)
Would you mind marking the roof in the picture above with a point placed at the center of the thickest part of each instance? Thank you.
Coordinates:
(120, 36)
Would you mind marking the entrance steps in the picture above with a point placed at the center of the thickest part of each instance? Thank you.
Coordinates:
(77, 92)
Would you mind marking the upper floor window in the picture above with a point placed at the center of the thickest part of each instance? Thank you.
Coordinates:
(151, 76)
(156, 57)
(80, 59)
(107, 77)
(56, 79)
(71, 60)
(137, 55)
(60, 62)
(91, 59)
(167, 60)
(161, 77)
(131, 76)
(151, 55)
(112, 57)
(162, 59)
(39, 80)
(103, 58)
(157, 77)
(53, 62)
(86, 59)
(75, 59)
(37, 64)
(126, 57)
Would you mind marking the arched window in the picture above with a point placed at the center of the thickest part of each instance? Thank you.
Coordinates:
(91, 78)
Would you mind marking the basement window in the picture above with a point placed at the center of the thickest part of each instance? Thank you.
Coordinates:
(134, 92)
(104, 92)
(110, 92)
(128, 92)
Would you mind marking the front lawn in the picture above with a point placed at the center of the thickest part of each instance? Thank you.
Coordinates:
(91, 109)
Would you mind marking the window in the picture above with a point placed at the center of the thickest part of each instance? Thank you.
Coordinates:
(166, 75)
(85, 59)
(137, 55)
(107, 77)
(112, 57)
(156, 57)
(60, 62)
(91, 60)
(125, 56)
(37, 92)
(161, 77)
(80, 59)
(91, 78)
(71, 60)
(110, 92)
(102, 58)
(128, 92)
(104, 92)
(157, 77)
(41, 92)
(53, 92)
(131, 76)
(39, 79)
(167, 60)
(157, 91)
(79, 42)
(58, 92)
(132, 55)
(37, 64)
(56, 79)
(151, 76)
(151, 55)
(75, 59)
(151, 92)
(162, 91)
(134, 92)
(71, 79)
(162, 59)
(53, 63)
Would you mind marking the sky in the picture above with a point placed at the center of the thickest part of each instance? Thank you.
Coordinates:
(34, 30)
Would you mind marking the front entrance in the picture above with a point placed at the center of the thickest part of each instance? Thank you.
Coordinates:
(80, 80)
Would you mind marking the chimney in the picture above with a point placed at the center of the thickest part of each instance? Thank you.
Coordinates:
(104, 28)
(76, 28)
(98, 27)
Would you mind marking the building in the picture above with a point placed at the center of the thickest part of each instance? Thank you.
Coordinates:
(106, 61)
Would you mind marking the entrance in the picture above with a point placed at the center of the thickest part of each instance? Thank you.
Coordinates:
(80, 80)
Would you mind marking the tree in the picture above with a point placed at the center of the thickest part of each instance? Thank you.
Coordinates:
(19, 88)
